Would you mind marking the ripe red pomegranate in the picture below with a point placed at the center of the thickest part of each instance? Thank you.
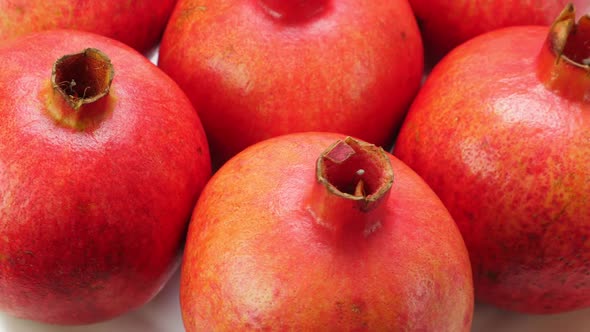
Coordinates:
(501, 132)
(446, 24)
(97, 180)
(258, 69)
(136, 23)
(315, 231)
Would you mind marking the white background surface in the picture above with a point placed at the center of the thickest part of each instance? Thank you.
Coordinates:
(163, 315)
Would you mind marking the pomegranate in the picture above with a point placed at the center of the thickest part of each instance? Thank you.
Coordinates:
(136, 23)
(101, 164)
(259, 69)
(315, 231)
(446, 24)
(501, 132)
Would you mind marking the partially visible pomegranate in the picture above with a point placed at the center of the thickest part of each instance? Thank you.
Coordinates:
(315, 231)
(139, 24)
(501, 132)
(101, 164)
(256, 69)
(447, 24)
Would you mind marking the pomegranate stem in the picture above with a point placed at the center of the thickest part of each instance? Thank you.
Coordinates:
(353, 179)
(563, 64)
(82, 78)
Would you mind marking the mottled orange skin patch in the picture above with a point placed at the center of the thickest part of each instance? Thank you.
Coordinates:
(509, 155)
(256, 258)
(92, 220)
(351, 68)
(136, 23)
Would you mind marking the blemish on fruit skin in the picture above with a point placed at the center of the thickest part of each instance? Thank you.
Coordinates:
(372, 228)
(234, 75)
(187, 13)
(19, 9)
(356, 308)
(87, 208)
(344, 309)
(362, 81)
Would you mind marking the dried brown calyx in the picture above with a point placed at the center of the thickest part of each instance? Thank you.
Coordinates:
(82, 78)
(564, 60)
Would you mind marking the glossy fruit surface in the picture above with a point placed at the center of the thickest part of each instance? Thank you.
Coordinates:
(139, 24)
(501, 132)
(98, 177)
(258, 69)
(357, 243)
(447, 24)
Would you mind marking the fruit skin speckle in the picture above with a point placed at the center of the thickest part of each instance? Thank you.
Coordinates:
(92, 219)
(447, 24)
(138, 24)
(510, 158)
(256, 258)
(349, 68)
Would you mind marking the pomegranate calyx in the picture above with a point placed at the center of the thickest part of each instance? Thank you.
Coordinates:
(353, 180)
(570, 41)
(82, 78)
(356, 171)
(563, 65)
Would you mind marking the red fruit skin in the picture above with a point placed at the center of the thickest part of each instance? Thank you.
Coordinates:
(139, 24)
(92, 222)
(351, 69)
(447, 24)
(256, 259)
(510, 160)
